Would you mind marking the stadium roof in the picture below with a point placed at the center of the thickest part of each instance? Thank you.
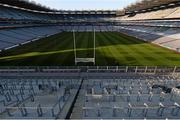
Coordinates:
(26, 4)
(66, 12)
(148, 4)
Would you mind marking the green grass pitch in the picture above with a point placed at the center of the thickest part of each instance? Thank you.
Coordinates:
(112, 48)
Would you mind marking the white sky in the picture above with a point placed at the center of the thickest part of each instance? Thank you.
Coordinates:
(86, 4)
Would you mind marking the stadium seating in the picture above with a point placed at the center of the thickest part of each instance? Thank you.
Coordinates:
(12, 13)
(10, 37)
(159, 23)
(4, 44)
(159, 14)
(35, 97)
(130, 94)
(19, 14)
(89, 92)
(175, 14)
(128, 98)
(164, 36)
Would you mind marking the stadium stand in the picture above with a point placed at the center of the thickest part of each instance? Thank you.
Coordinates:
(14, 37)
(90, 92)
(19, 25)
(49, 92)
(16, 13)
(148, 30)
(36, 97)
(163, 36)
(148, 10)
(150, 5)
(138, 99)
(175, 14)
(8, 12)
(160, 14)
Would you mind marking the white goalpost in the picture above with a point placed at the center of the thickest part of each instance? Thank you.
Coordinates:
(84, 60)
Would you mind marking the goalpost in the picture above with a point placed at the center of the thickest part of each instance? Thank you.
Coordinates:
(84, 60)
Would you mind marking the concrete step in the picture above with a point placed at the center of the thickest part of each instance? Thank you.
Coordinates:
(77, 111)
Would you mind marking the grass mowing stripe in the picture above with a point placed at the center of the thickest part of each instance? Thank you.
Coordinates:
(131, 58)
(138, 50)
(58, 58)
(129, 50)
(148, 48)
(120, 49)
(83, 42)
(134, 46)
(145, 51)
(68, 57)
(33, 47)
(110, 47)
(112, 52)
(43, 60)
(90, 44)
(101, 57)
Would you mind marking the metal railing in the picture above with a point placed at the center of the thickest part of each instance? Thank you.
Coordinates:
(91, 69)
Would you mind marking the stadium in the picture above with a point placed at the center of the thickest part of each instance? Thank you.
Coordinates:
(90, 64)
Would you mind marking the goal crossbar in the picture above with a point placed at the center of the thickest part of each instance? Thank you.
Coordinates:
(86, 60)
